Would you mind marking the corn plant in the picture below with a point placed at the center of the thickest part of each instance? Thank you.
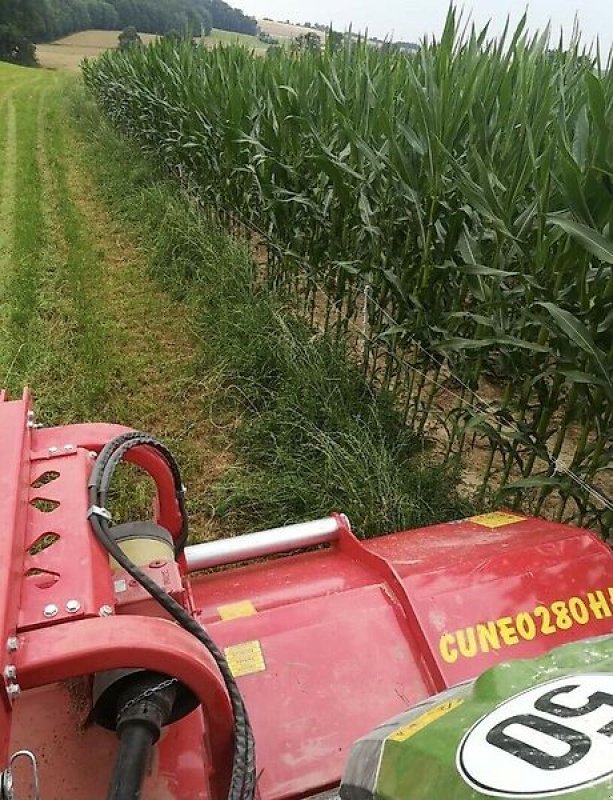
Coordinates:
(456, 203)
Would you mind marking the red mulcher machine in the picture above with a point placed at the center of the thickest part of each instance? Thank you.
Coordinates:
(136, 666)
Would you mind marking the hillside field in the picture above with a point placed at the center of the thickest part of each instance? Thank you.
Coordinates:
(285, 30)
(69, 52)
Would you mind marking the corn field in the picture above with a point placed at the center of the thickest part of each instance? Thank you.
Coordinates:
(452, 209)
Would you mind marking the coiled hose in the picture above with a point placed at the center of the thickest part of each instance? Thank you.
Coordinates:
(243, 780)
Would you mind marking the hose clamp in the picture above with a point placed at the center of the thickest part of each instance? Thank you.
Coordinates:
(99, 511)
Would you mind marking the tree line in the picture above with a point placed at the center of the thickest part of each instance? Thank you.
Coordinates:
(46, 20)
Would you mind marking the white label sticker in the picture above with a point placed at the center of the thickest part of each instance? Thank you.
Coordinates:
(555, 738)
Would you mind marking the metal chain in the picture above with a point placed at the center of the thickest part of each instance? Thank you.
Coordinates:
(165, 684)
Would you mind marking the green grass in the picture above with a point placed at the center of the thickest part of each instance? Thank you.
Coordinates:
(308, 434)
(25, 232)
(228, 37)
(80, 275)
(81, 321)
(53, 334)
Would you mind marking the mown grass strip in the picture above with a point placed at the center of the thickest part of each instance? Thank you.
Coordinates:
(311, 435)
(7, 199)
(22, 272)
(52, 337)
(7, 175)
(77, 276)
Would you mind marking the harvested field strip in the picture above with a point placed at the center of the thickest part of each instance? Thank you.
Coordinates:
(22, 273)
(81, 320)
(77, 277)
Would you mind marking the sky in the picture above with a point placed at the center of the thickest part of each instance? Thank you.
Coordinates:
(409, 20)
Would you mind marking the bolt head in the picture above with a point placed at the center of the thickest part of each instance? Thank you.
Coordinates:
(10, 672)
(12, 644)
(69, 447)
(105, 611)
(50, 610)
(53, 449)
(72, 606)
(13, 690)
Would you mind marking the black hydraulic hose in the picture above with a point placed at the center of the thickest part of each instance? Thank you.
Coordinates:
(243, 780)
(114, 451)
(135, 745)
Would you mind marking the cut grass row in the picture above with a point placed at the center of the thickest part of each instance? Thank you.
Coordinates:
(53, 338)
(81, 322)
(25, 240)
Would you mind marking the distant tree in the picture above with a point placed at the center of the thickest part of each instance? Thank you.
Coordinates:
(265, 37)
(129, 38)
(45, 20)
(411, 47)
(15, 47)
(335, 39)
(103, 16)
(307, 41)
(231, 19)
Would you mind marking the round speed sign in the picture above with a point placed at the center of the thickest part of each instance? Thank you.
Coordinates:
(555, 738)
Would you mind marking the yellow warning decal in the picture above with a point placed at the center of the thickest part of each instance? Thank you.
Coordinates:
(418, 724)
(235, 610)
(497, 519)
(245, 658)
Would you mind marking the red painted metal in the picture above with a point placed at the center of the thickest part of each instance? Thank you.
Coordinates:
(350, 634)
(72, 568)
(58, 643)
(132, 598)
(92, 437)
(14, 449)
(53, 655)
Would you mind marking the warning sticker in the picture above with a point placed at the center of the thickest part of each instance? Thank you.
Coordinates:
(236, 610)
(245, 658)
(497, 519)
(421, 722)
(553, 739)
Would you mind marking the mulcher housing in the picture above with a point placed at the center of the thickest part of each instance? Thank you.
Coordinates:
(326, 642)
